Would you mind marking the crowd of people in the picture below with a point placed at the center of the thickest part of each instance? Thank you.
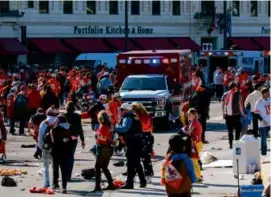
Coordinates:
(34, 101)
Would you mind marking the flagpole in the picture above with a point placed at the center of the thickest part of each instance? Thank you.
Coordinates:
(225, 25)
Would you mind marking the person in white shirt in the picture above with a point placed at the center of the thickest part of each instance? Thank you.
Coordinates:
(250, 102)
(262, 107)
(218, 82)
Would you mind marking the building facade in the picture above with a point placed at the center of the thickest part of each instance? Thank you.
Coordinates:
(149, 19)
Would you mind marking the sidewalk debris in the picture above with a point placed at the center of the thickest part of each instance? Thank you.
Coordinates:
(207, 158)
(12, 172)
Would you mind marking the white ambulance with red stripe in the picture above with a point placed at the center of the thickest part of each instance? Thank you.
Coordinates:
(251, 61)
(159, 79)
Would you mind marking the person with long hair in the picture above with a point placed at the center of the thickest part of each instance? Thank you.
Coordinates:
(104, 151)
(148, 139)
(195, 131)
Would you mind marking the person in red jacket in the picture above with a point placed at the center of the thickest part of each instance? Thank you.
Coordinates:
(55, 85)
(34, 99)
(148, 139)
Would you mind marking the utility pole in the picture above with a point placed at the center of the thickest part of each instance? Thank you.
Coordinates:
(126, 25)
(225, 25)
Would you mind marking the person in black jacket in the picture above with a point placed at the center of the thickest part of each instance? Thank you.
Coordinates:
(49, 99)
(61, 137)
(76, 129)
(131, 130)
(93, 112)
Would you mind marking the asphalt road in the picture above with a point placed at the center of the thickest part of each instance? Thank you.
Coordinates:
(22, 158)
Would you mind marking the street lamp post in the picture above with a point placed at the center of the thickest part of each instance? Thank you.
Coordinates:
(225, 25)
(126, 26)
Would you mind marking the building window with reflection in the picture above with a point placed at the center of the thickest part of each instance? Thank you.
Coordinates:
(67, 7)
(135, 7)
(207, 8)
(44, 7)
(236, 8)
(156, 8)
(4, 6)
(91, 7)
(30, 4)
(113, 7)
(253, 8)
(176, 8)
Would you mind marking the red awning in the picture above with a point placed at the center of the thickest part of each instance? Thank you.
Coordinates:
(50, 45)
(88, 45)
(119, 43)
(245, 44)
(185, 43)
(12, 46)
(264, 42)
(153, 43)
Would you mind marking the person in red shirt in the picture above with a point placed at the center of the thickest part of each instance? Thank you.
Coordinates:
(10, 110)
(104, 151)
(34, 99)
(195, 131)
(114, 108)
(55, 85)
(3, 78)
(101, 73)
(184, 111)
(148, 139)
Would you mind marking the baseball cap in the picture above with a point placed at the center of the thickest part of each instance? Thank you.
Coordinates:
(103, 97)
(52, 111)
(126, 106)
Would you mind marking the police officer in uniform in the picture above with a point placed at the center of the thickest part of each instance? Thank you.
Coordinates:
(130, 128)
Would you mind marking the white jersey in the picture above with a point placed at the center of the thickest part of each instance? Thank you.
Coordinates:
(262, 107)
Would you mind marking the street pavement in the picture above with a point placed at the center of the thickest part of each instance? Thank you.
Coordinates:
(218, 182)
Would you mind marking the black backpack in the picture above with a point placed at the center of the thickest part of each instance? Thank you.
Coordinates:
(88, 173)
(47, 140)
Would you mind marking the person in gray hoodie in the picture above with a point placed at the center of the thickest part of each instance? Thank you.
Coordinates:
(46, 125)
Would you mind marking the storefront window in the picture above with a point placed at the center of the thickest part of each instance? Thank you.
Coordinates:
(30, 4)
(236, 8)
(44, 7)
(253, 8)
(207, 8)
(91, 7)
(4, 6)
(67, 7)
(135, 7)
(176, 8)
(113, 7)
(156, 8)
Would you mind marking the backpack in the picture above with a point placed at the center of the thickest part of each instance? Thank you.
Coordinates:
(47, 140)
(21, 103)
(173, 178)
(88, 173)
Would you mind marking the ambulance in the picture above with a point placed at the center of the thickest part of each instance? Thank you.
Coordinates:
(250, 61)
(159, 79)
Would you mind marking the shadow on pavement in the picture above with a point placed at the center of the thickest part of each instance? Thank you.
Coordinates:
(218, 127)
(220, 185)
(142, 192)
(84, 193)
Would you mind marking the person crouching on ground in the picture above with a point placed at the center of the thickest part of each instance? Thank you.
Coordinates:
(61, 137)
(178, 155)
(194, 131)
(33, 128)
(104, 151)
(45, 128)
(148, 139)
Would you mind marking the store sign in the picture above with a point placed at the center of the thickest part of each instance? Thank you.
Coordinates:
(265, 30)
(97, 30)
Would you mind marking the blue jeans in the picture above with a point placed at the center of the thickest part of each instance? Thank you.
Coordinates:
(71, 160)
(46, 156)
(264, 134)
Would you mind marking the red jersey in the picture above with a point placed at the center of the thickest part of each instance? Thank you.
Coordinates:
(10, 106)
(113, 110)
(146, 123)
(3, 78)
(34, 99)
(196, 132)
(103, 135)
